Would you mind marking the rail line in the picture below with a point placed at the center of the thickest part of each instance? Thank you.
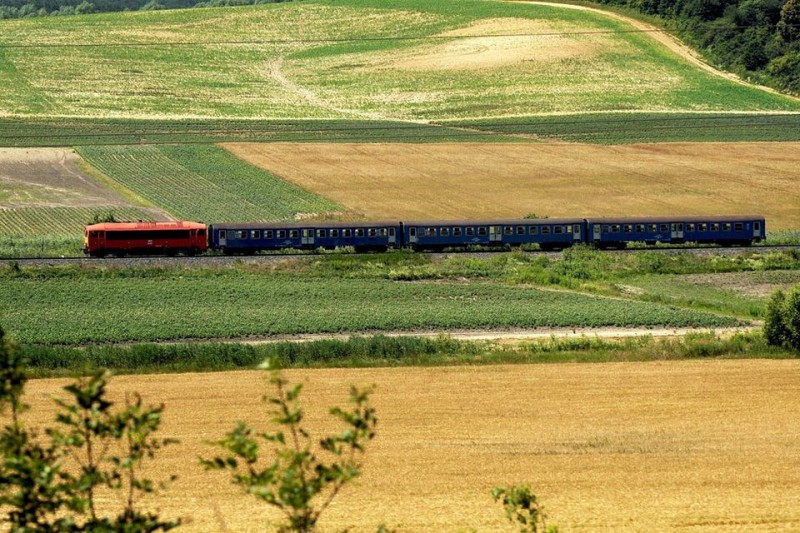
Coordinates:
(273, 257)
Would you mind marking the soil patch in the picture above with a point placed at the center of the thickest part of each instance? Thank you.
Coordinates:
(500, 43)
(755, 284)
(413, 181)
(52, 177)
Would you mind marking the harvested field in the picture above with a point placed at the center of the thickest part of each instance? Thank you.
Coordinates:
(694, 445)
(407, 181)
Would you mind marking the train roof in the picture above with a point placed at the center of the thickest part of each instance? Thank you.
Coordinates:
(144, 226)
(493, 222)
(309, 224)
(677, 218)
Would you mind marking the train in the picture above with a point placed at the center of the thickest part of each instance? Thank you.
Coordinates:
(192, 238)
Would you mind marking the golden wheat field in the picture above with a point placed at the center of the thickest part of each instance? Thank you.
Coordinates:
(664, 446)
(410, 181)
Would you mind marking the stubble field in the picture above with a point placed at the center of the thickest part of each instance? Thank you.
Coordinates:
(408, 181)
(694, 446)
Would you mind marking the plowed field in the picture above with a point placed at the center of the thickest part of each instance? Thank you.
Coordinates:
(693, 445)
(407, 181)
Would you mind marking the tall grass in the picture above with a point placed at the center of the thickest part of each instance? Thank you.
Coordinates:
(379, 350)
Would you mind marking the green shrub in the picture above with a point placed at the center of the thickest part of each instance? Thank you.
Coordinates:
(782, 324)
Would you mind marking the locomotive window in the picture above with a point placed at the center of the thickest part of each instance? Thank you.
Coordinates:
(738, 226)
(456, 232)
(726, 226)
(201, 233)
(334, 233)
(482, 230)
(372, 232)
(294, 233)
(508, 230)
(652, 228)
(255, 234)
(520, 230)
(321, 233)
(470, 231)
(689, 227)
(360, 232)
(558, 229)
(664, 228)
(268, 233)
(715, 227)
(639, 228)
(444, 232)
(545, 230)
(702, 227)
(347, 233)
(533, 230)
(628, 228)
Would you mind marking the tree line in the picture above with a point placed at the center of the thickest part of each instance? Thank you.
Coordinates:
(756, 39)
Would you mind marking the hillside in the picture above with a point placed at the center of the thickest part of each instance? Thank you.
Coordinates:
(358, 60)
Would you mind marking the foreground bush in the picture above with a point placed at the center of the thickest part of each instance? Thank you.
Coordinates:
(54, 484)
(782, 324)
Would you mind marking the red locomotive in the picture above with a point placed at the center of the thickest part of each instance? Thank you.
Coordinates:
(144, 238)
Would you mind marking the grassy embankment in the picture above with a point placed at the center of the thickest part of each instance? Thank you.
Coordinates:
(388, 292)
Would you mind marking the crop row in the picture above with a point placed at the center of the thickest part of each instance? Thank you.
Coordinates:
(180, 305)
(617, 128)
(71, 131)
(41, 221)
(202, 182)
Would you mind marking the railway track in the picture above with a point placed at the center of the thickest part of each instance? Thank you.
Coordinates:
(267, 258)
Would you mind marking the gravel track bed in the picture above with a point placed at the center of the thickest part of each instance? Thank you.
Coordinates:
(260, 259)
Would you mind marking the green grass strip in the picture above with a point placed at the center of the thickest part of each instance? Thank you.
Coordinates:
(229, 304)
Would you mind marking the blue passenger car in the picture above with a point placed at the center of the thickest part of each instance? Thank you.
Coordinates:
(547, 233)
(248, 238)
(617, 232)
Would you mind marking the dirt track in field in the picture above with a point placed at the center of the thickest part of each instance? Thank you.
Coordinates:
(413, 181)
(693, 445)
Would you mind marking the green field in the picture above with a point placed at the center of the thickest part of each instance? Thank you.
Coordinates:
(606, 128)
(358, 59)
(173, 304)
(59, 221)
(204, 183)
